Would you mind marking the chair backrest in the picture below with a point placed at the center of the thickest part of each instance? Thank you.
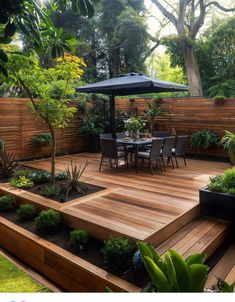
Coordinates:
(161, 133)
(105, 135)
(108, 147)
(156, 148)
(120, 134)
(181, 144)
(167, 146)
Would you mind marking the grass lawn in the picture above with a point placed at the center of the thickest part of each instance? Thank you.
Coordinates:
(14, 280)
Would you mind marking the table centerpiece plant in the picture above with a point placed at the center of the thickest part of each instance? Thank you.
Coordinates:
(134, 126)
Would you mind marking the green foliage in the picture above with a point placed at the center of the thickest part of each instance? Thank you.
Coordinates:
(172, 273)
(27, 211)
(48, 221)
(216, 184)
(224, 182)
(156, 108)
(39, 177)
(134, 124)
(225, 88)
(7, 164)
(92, 124)
(117, 253)
(61, 175)
(79, 238)
(7, 203)
(228, 141)
(74, 173)
(224, 287)
(22, 172)
(42, 139)
(229, 178)
(22, 182)
(219, 99)
(51, 190)
(203, 139)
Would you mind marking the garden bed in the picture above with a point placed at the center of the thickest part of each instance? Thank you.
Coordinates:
(91, 254)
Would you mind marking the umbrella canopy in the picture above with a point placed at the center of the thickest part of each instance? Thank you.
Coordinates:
(129, 84)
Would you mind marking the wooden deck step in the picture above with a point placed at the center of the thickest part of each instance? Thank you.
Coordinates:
(224, 269)
(202, 235)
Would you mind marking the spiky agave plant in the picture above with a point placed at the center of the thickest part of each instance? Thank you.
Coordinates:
(74, 173)
(228, 141)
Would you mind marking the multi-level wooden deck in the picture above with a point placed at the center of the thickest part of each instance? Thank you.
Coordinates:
(142, 207)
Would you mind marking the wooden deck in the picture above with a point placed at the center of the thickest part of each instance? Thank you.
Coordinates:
(141, 207)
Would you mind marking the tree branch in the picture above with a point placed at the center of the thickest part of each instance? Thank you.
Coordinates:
(151, 50)
(219, 6)
(200, 20)
(165, 12)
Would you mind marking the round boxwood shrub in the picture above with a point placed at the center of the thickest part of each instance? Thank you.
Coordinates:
(117, 253)
(79, 238)
(7, 203)
(48, 220)
(27, 211)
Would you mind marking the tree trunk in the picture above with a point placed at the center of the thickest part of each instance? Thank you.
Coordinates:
(53, 154)
(114, 62)
(191, 66)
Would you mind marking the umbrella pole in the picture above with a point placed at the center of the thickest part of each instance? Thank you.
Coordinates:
(112, 115)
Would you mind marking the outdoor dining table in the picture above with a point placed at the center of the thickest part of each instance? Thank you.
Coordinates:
(136, 144)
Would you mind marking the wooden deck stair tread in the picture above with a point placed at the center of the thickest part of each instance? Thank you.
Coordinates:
(224, 269)
(201, 235)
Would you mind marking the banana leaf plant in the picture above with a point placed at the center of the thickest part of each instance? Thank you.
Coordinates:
(171, 273)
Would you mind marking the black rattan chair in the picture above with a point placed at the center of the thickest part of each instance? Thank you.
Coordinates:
(167, 150)
(154, 154)
(179, 150)
(110, 151)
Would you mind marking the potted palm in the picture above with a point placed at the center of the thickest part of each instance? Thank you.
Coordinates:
(156, 108)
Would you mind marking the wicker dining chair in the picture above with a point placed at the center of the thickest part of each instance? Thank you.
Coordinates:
(166, 153)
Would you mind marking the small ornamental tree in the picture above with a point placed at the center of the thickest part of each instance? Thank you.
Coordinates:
(37, 83)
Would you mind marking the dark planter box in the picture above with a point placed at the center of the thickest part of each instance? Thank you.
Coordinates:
(218, 205)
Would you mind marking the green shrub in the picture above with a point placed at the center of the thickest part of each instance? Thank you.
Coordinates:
(22, 172)
(79, 238)
(61, 175)
(216, 187)
(117, 253)
(228, 142)
(231, 191)
(48, 221)
(229, 178)
(51, 190)
(203, 139)
(22, 183)
(39, 177)
(7, 203)
(42, 139)
(27, 211)
(219, 99)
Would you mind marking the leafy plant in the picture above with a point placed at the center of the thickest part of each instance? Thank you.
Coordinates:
(22, 172)
(203, 139)
(228, 141)
(7, 203)
(39, 177)
(219, 99)
(42, 139)
(74, 173)
(156, 108)
(27, 211)
(7, 164)
(50, 190)
(22, 183)
(223, 182)
(172, 273)
(117, 253)
(79, 238)
(225, 88)
(216, 184)
(48, 221)
(61, 175)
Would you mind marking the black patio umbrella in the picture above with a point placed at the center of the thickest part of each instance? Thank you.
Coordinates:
(129, 84)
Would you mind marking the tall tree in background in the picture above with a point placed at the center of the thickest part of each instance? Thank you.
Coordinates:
(188, 16)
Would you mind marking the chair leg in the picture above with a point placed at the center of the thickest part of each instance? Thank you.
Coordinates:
(172, 163)
(163, 164)
(176, 161)
(184, 160)
(126, 159)
(160, 165)
(101, 162)
(142, 164)
(110, 163)
(151, 166)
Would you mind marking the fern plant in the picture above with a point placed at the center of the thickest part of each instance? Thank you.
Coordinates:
(228, 141)
(203, 139)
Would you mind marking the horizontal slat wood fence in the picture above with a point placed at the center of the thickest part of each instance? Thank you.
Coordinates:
(187, 115)
(18, 125)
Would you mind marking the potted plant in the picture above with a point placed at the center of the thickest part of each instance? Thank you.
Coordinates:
(134, 126)
(217, 199)
(156, 108)
(228, 141)
(203, 139)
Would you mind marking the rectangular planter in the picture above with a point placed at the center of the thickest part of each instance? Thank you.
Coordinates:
(68, 271)
(218, 205)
